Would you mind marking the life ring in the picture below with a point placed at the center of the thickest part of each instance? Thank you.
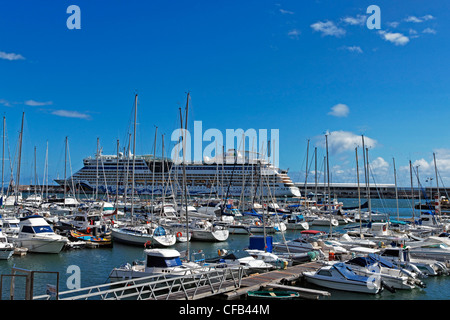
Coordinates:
(148, 244)
(179, 234)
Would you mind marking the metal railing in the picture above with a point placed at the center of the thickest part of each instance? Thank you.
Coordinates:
(205, 281)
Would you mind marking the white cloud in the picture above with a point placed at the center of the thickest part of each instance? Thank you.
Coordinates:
(356, 49)
(413, 19)
(294, 33)
(340, 110)
(358, 20)
(429, 30)
(379, 164)
(11, 56)
(341, 141)
(328, 28)
(286, 11)
(34, 103)
(5, 103)
(393, 24)
(71, 114)
(396, 38)
(419, 20)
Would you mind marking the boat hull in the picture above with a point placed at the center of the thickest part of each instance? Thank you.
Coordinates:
(343, 286)
(142, 239)
(42, 245)
(202, 235)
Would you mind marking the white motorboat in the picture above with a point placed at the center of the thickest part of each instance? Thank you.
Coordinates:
(436, 248)
(298, 245)
(341, 277)
(349, 242)
(65, 207)
(147, 234)
(401, 256)
(393, 277)
(11, 227)
(324, 221)
(295, 222)
(6, 248)
(204, 230)
(269, 257)
(165, 262)
(82, 220)
(241, 259)
(38, 236)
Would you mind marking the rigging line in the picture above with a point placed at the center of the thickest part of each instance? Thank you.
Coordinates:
(378, 190)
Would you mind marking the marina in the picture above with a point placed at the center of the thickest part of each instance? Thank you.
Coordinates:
(219, 159)
(101, 260)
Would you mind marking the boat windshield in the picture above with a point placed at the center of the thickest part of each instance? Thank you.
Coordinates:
(163, 262)
(42, 229)
(348, 273)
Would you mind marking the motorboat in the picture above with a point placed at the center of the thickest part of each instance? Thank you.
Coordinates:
(204, 230)
(325, 221)
(38, 236)
(295, 222)
(436, 248)
(6, 248)
(401, 256)
(242, 259)
(339, 276)
(348, 242)
(144, 235)
(164, 262)
(11, 227)
(394, 278)
(82, 220)
(301, 244)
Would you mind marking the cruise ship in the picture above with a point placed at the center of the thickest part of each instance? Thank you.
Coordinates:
(237, 174)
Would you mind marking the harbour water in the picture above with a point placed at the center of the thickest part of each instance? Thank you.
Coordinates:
(95, 264)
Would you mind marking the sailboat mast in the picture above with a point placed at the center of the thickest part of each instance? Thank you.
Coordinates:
(96, 172)
(412, 193)
(306, 172)
(436, 173)
(117, 173)
(19, 159)
(65, 170)
(396, 192)
(134, 156)
(3, 152)
(184, 176)
(153, 172)
(328, 182)
(359, 192)
(315, 175)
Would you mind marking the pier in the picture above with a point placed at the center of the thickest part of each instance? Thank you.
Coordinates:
(228, 283)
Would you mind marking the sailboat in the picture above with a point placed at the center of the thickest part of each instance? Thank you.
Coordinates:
(149, 234)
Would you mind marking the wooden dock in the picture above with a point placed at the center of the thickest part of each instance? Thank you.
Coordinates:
(278, 279)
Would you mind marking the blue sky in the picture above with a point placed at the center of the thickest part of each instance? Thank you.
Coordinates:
(248, 64)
